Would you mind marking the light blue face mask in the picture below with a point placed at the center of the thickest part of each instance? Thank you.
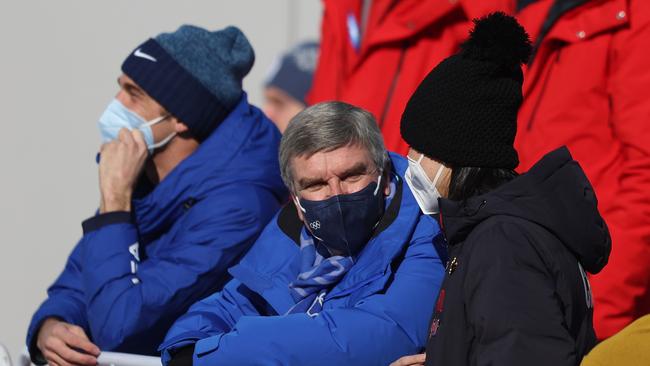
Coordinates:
(117, 116)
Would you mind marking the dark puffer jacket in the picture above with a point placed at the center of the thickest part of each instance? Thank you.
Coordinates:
(515, 292)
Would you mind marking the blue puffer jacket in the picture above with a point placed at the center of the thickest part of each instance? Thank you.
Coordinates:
(132, 274)
(377, 313)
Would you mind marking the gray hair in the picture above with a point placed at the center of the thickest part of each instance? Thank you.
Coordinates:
(326, 127)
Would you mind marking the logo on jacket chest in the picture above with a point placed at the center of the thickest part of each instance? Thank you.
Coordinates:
(435, 322)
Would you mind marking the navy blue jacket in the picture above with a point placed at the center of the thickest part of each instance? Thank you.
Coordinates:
(132, 274)
(515, 291)
(377, 313)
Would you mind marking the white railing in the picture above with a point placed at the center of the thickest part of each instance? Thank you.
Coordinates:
(5, 357)
(107, 359)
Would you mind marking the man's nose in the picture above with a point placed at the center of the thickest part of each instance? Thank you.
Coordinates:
(123, 97)
(335, 187)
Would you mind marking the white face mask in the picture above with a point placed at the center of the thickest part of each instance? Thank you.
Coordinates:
(424, 191)
(117, 116)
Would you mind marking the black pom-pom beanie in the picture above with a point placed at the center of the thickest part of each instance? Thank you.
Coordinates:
(464, 113)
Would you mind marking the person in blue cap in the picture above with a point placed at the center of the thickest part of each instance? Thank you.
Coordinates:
(188, 176)
(288, 83)
(346, 274)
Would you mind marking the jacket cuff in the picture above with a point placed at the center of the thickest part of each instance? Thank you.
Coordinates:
(182, 357)
(109, 218)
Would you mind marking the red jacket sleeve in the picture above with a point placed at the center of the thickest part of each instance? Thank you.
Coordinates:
(623, 288)
(332, 54)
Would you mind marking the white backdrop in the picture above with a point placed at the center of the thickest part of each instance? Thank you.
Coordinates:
(59, 61)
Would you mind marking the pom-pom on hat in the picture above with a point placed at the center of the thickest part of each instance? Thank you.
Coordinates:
(464, 113)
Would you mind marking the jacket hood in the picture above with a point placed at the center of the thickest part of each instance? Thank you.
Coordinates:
(555, 194)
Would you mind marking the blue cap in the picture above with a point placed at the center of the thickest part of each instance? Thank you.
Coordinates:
(294, 73)
(195, 74)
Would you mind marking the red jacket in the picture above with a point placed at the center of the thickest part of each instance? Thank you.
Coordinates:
(403, 41)
(588, 87)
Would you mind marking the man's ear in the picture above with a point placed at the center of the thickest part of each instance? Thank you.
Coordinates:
(385, 178)
(179, 126)
(294, 199)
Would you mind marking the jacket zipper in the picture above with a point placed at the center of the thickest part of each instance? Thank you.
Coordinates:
(393, 85)
(531, 121)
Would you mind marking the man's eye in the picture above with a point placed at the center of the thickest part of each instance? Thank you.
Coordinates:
(133, 92)
(314, 187)
(353, 178)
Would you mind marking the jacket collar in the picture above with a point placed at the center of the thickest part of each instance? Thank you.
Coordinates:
(400, 20)
(554, 194)
(202, 172)
(578, 20)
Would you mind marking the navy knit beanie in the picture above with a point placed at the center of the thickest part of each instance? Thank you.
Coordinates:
(195, 74)
(464, 113)
(294, 72)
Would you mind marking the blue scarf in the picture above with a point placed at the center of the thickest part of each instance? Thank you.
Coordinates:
(317, 275)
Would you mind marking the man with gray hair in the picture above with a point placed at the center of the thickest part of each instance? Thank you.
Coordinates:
(346, 273)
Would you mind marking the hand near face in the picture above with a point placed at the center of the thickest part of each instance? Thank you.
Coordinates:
(413, 360)
(120, 166)
(64, 344)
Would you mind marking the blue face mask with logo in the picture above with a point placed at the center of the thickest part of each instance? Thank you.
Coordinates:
(117, 116)
(345, 223)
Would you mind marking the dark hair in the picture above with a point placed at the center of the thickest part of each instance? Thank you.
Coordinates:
(468, 182)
